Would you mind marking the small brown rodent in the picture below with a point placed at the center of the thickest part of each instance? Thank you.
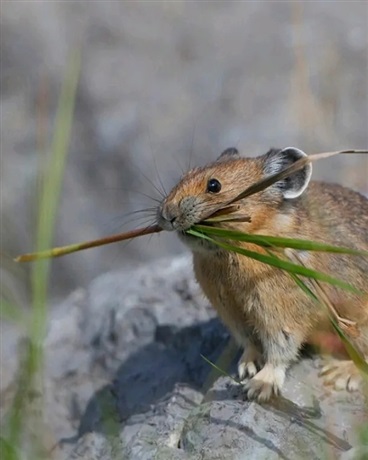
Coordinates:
(266, 312)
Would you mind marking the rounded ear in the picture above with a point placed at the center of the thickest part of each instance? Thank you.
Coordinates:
(228, 154)
(294, 185)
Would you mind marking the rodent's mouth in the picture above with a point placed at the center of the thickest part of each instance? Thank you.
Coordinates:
(184, 235)
(197, 244)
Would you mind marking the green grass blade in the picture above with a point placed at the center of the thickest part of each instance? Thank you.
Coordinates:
(51, 187)
(8, 451)
(304, 287)
(10, 312)
(69, 249)
(223, 362)
(354, 354)
(32, 361)
(275, 241)
(352, 351)
(218, 369)
(280, 263)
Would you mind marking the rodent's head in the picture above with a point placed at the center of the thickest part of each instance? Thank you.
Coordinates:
(202, 191)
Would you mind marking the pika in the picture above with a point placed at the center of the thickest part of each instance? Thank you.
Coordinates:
(269, 316)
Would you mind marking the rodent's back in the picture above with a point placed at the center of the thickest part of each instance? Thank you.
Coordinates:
(331, 214)
(339, 213)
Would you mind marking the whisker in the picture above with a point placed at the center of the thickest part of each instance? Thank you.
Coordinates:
(150, 238)
(130, 190)
(192, 145)
(155, 164)
(117, 224)
(156, 200)
(132, 213)
(162, 195)
(129, 220)
(180, 166)
(146, 225)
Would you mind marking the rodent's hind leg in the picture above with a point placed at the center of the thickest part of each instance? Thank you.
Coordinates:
(266, 383)
(250, 362)
(342, 375)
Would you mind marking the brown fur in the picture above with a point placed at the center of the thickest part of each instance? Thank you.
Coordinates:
(267, 313)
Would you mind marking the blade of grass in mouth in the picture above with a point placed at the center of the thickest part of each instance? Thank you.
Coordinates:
(275, 241)
(63, 250)
(280, 263)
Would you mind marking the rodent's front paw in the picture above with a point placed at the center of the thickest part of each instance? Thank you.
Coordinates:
(249, 363)
(266, 383)
(342, 375)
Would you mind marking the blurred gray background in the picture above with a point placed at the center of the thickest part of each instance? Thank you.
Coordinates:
(162, 84)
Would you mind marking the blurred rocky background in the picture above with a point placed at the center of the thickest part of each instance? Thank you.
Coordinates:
(163, 84)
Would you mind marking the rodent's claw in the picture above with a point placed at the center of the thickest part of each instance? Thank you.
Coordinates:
(342, 375)
(266, 383)
(261, 391)
(249, 363)
(246, 370)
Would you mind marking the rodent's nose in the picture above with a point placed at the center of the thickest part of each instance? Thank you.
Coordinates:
(169, 214)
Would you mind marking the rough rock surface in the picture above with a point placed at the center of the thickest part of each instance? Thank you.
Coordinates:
(125, 379)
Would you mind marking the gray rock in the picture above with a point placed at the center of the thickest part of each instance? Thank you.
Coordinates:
(308, 421)
(124, 379)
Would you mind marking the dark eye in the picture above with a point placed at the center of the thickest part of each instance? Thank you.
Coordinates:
(213, 186)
